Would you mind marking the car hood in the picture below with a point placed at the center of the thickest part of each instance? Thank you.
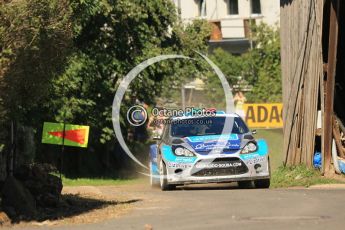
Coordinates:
(208, 143)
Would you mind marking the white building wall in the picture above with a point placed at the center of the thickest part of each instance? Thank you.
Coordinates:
(271, 11)
(232, 25)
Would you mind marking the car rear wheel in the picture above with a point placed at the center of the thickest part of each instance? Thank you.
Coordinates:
(262, 183)
(163, 177)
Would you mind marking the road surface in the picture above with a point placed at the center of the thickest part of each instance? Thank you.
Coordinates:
(226, 207)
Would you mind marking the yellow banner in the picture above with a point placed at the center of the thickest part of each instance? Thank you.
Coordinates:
(263, 115)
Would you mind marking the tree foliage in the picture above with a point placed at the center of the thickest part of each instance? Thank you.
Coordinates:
(35, 37)
(265, 62)
(62, 60)
(259, 68)
(113, 37)
(35, 40)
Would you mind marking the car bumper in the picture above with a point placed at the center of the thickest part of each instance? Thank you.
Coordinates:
(184, 174)
(215, 180)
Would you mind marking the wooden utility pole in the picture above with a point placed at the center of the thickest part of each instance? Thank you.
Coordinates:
(301, 62)
(329, 89)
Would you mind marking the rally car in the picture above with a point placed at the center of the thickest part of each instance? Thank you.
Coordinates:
(196, 150)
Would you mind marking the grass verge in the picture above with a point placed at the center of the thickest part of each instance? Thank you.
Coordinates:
(282, 177)
(299, 176)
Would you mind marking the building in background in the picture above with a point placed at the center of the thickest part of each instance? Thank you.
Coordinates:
(230, 19)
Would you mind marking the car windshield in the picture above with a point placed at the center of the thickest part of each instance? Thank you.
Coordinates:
(205, 126)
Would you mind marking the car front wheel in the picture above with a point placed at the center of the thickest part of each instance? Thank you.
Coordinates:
(262, 183)
(163, 177)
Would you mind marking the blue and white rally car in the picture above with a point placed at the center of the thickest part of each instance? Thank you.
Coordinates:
(196, 150)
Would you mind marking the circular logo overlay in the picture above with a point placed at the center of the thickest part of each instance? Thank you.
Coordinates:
(136, 115)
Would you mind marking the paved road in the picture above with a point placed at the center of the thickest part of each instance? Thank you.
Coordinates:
(229, 208)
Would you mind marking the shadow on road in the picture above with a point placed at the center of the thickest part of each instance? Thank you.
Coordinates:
(70, 205)
(220, 186)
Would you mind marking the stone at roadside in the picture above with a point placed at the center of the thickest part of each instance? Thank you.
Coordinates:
(14, 194)
(45, 188)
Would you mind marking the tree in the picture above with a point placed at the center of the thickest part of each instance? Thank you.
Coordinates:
(259, 67)
(112, 37)
(233, 68)
(265, 65)
(35, 39)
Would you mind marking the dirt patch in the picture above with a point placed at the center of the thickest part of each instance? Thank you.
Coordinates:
(333, 175)
(86, 190)
(328, 186)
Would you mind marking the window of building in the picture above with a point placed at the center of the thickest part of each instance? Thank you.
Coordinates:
(202, 8)
(232, 7)
(256, 6)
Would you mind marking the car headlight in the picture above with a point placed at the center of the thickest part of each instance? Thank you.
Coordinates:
(249, 148)
(180, 151)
